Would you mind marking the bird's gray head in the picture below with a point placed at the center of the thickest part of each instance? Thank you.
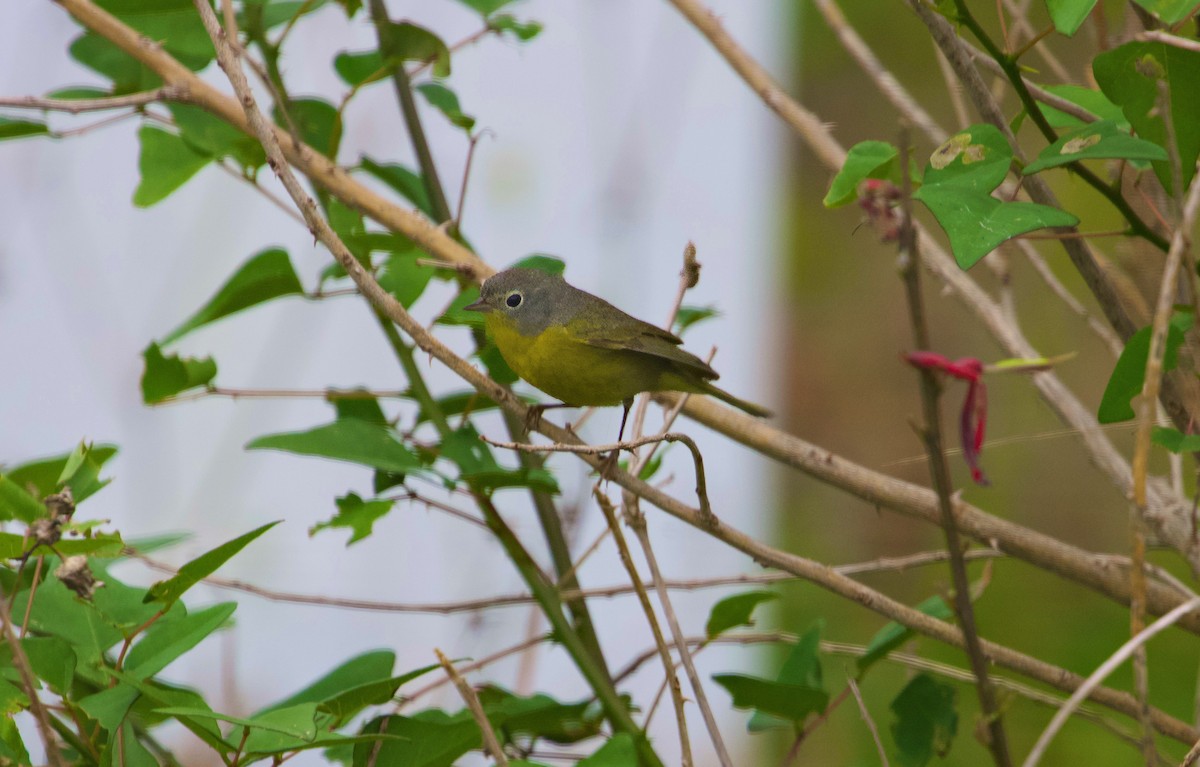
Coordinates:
(532, 299)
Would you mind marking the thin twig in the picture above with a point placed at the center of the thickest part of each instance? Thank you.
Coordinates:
(491, 745)
(1100, 674)
(558, 447)
(76, 106)
(866, 715)
(1159, 36)
(29, 685)
(660, 643)
(997, 741)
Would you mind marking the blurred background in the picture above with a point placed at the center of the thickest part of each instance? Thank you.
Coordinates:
(616, 136)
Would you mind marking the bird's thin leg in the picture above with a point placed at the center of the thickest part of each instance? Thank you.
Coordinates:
(610, 462)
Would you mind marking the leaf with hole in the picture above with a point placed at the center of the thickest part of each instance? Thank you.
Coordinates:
(167, 376)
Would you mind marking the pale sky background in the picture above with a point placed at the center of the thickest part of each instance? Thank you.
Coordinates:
(619, 136)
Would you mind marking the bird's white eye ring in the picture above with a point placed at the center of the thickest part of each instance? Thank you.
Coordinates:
(513, 299)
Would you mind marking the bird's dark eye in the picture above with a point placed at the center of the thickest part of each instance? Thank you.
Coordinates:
(513, 300)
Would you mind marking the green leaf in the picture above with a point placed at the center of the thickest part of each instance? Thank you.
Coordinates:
(1130, 371)
(1175, 440)
(102, 545)
(478, 466)
(317, 121)
(128, 75)
(1067, 15)
(690, 315)
(173, 24)
(802, 668)
(10, 128)
(1101, 140)
(1129, 76)
(523, 31)
(167, 376)
(81, 472)
(405, 182)
(349, 702)
(276, 12)
(977, 224)
(11, 743)
(361, 68)
(350, 440)
(58, 612)
(792, 702)
(52, 660)
(542, 262)
(975, 159)
(866, 159)
(1169, 12)
(404, 278)
(926, 721)
(170, 638)
(418, 742)
(363, 408)
(109, 707)
(296, 721)
(362, 669)
(16, 503)
(267, 275)
(734, 611)
(445, 101)
(617, 751)
(894, 634)
(414, 43)
(541, 716)
(170, 590)
(42, 475)
(165, 163)
(157, 694)
(1091, 100)
(485, 8)
(210, 135)
(356, 515)
(458, 403)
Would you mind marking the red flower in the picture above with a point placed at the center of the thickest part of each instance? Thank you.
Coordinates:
(973, 420)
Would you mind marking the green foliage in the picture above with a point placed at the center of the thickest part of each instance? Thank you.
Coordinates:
(1102, 140)
(166, 163)
(957, 186)
(347, 439)
(267, 275)
(1130, 371)
(734, 611)
(1067, 15)
(866, 159)
(1175, 440)
(357, 515)
(1130, 77)
(445, 101)
(167, 376)
(893, 634)
(169, 591)
(926, 720)
(10, 128)
(797, 692)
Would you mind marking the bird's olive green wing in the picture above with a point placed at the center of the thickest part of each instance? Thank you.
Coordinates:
(601, 324)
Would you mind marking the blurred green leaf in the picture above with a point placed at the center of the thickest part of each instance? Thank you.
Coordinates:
(1067, 15)
(404, 278)
(11, 745)
(445, 101)
(362, 669)
(414, 43)
(522, 30)
(617, 751)
(485, 8)
(169, 591)
(355, 514)
(109, 707)
(317, 122)
(1129, 374)
(13, 546)
(418, 742)
(540, 716)
(167, 376)
(73, 92)
(691, 315)
(10, 128)
(791, 702)
(455, 315)
(1092, 100)
(1101, 140)
(1129, 76)
(893, 634)
(210, 135)
(267, 275)
(1175, 440)
(363, 408)
(543, 262)
(348, 702)
(16, 503)
(802, 669)
(165, 163)
(52, 660)
(58, 612)
(402, 180)
(81, 472)
(43, 473)
(127, 74)
(296, 721)
(359, 68)
(349, 440)
(170, 638)
(276, 12)
(458, 403)
(734, 611)
(1169, 12)
(926, 721)
(866, 159)
(173, 24)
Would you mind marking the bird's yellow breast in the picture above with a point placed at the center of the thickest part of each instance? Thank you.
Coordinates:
(572, 370)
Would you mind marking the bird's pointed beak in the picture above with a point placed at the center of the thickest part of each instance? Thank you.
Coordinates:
(478, 306)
